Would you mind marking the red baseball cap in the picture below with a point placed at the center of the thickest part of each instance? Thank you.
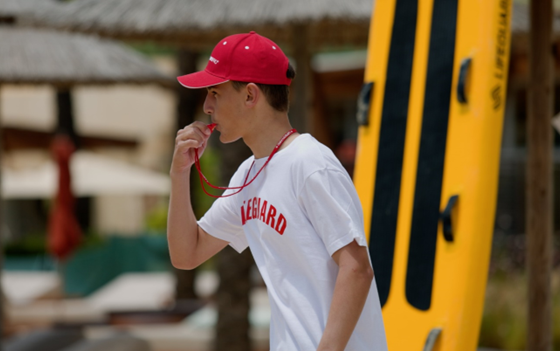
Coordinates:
(247, 57)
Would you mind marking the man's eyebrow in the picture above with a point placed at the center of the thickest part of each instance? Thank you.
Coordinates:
(211, 87)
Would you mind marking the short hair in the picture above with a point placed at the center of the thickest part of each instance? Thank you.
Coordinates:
(276, 95)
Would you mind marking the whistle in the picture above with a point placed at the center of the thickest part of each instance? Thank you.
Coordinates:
(211, 126)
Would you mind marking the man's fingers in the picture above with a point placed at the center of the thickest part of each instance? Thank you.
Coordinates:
(183, 146)
(191, 134)
(197, 132)
(203, 127)
(202, 147)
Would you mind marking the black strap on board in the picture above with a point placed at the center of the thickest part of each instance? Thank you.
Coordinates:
(431, 157)
(391, 145)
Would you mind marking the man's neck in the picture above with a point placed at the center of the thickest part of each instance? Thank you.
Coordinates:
(264, 136)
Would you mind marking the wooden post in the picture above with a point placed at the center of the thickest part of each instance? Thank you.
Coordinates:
(187, 98)
(65, 115)
(539, 177)
(232, 297)
(302, 94)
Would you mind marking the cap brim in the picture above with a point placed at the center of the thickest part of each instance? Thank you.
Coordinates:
(200, 79)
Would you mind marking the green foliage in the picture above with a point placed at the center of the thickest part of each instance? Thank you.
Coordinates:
(210, 165)
(504, 322)
(30, 245)
(92, 239)
(156, 219)
(505, 315)
(36, 244)
(151, 48)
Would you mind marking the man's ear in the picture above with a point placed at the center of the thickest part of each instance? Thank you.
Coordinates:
(252, 95)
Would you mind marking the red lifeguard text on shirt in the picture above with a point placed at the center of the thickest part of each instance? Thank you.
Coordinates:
(259, 209)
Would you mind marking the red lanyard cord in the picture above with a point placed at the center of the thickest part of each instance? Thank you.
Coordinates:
(245, 183)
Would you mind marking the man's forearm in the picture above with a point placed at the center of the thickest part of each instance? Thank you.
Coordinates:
(182, 228)
(350, 294)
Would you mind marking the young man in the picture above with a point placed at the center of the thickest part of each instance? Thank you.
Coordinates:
(301, 215)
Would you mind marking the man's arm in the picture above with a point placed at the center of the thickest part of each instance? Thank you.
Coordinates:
(350, 293)
(189, 245)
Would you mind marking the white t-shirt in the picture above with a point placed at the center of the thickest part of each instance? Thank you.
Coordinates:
(301, 209)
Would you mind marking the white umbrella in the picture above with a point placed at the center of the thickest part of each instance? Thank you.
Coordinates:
(92, 175)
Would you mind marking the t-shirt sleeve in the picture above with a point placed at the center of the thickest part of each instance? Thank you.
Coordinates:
(223, 221)
(331, 204)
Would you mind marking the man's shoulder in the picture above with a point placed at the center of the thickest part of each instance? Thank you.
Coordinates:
(312, 150)
(310, 155)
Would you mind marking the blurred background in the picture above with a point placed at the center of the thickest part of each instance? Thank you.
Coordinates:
(89, 108)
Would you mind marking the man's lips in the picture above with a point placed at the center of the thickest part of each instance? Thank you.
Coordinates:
(211, 126)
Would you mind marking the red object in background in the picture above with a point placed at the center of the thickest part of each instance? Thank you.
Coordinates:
(64, 233)
(346, 153)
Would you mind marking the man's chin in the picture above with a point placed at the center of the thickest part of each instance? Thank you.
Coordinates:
(225, 139)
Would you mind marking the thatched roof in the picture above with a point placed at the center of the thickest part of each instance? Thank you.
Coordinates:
(198, 22)
(204, 22)
(49, 57)
(12, 10)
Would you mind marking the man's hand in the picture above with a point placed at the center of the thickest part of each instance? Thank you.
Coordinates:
(189, 245)
(193, 138)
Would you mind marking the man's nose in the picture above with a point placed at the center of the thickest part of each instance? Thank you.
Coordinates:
(207, 107)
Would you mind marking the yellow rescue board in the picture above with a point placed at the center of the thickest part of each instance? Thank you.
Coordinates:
(427, 163)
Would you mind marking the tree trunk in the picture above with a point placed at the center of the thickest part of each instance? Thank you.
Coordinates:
(539, 177)
(232, 330)
(3, 317)
(302, 107)
(186, 111)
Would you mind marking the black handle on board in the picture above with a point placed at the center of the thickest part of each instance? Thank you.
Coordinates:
(446, 219)
(462, 82)
(363, 104)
